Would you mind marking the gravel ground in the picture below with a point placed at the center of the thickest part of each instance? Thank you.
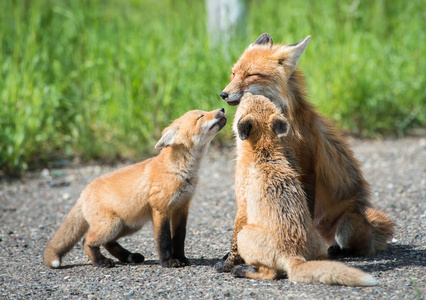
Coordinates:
(32, 209)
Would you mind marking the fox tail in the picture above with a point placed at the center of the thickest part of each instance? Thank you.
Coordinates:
(383, 228)
(70, 232)
(328, 272)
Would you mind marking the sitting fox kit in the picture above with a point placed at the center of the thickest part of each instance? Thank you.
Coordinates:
(276, 234)
(158, 189)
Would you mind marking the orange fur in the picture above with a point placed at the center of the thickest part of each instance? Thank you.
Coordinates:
(158, 189)
(279, 236)
(337, 193)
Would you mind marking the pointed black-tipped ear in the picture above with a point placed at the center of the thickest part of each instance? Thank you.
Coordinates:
(264, 39)
(290, 54)
(280, 127)
(244, 127)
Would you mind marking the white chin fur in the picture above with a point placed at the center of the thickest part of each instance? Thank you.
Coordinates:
(56, 264)
(369, 280)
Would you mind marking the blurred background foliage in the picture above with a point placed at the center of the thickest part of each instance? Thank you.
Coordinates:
(100, 79)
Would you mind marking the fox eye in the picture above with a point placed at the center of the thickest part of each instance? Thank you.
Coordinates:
(199, 117)
(255, 74)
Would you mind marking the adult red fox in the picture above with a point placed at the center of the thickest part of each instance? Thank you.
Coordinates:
(337, 193)
(278, 236)
(158, 189)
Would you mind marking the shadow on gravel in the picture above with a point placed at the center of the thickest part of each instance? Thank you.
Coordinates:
(397, 256)
(204, 261)
(192, 261)
(74, 266)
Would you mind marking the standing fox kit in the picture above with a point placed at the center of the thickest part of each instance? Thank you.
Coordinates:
(158, 189)
(337, 193)
(278, 235)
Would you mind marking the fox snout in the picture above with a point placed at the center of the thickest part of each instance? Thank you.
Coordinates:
(224, 95)
(220, 115)
(232, 99)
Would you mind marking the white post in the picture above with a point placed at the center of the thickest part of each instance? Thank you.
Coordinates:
(223, 17)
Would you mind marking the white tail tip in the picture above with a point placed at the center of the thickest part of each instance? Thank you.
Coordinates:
(56, 264)
(369, 280)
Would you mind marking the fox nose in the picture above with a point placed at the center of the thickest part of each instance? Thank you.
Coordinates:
(222, 110)
(223, 95)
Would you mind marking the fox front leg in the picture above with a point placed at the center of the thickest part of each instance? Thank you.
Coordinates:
(179, 220)
(163, 238)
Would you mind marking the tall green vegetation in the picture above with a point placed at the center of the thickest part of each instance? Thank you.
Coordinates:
(102, 78)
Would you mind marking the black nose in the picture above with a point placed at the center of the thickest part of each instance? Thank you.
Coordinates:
(222, 110)
(223, 95)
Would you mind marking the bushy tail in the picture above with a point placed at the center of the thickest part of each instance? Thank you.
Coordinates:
(328, 272)
(383, 228)
(70, 232)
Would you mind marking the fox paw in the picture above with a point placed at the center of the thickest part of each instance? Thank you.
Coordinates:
(241, 270)
(184, 261)
(105, 263)
(172, 263)
(336, 252)
(135, 258)
(228, 262)
(222, 267)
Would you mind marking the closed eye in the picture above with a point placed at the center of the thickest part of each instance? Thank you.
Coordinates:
(199, 117)
(255, 74)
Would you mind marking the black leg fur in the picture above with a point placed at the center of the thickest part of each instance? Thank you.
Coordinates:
(178, 240)
(122, 254)
(165, 247)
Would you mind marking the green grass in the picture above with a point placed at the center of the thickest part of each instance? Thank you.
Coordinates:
(101, 79)
(417, 290)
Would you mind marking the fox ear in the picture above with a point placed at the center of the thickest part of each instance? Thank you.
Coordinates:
(244, 128)
(280, 126)
(264, 39)
(289, 55)
(167, 139)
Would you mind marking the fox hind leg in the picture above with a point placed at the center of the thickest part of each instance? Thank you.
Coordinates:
(96, 256)
(248, 271)
(353, 236)
(343, 225)
(362, 233)
(259, 250)
(122, 254)
(99, 235)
